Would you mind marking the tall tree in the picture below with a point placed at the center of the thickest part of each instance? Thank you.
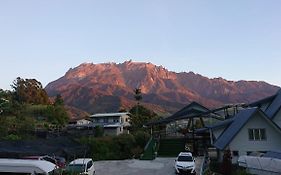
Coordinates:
(138, 98)
(144, 115)
(138, 95)
(29, 91)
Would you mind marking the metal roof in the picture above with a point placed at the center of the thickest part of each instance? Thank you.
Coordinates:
(240, 120)
(221, 124)
(193, 109)
(263, 101)
(275, 106)
(110, 114)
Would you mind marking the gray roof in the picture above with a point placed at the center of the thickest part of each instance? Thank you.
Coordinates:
(259, 103)
(275, 106)
(221, 124)
(193, 109)
(240, 120)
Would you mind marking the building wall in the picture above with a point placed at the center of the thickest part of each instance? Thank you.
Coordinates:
(242, 143)
(125, 119)
(111, 131)
(83, 122)
(277, 119)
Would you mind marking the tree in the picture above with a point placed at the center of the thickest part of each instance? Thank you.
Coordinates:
(138, 95)
(59, 101)
(144, 116)
(57, 115)
(138, 98)
(29, 91)
(8, 106)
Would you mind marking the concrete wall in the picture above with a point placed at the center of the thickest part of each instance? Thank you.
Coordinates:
(113, 131)
(242, 143)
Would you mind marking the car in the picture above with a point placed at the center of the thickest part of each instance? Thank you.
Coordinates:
(61, 162)
(24, 166)
(47, 158)
(83, 166)
(185, 163)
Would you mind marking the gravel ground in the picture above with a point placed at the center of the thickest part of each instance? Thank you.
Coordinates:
(159, 166)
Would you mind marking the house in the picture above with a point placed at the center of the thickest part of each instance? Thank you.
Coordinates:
(271, 107)
(81, 122)
(251, 130)
(112, 123)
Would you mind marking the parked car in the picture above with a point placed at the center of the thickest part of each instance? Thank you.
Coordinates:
(27, 167)
(185, 163)
(47, 158)
(61, 162)
(83, 166)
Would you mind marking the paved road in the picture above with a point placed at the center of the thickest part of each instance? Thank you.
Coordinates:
(159, 166)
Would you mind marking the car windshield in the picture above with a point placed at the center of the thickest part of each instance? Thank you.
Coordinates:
(185, 158)
(76, 168)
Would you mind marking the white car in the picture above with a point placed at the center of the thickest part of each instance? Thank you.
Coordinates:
(83, 166)
(185, 163)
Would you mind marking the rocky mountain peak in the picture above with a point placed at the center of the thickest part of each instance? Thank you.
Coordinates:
(108, 86)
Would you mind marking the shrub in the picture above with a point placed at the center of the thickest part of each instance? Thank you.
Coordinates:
(141, 138)
(112, 147)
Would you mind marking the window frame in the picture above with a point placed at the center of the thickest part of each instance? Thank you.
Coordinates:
(257, 134)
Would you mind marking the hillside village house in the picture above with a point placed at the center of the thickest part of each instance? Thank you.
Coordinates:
(81, 122)
(253, 130)
(112, 123)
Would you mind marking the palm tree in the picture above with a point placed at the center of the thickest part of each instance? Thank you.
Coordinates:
(138, 98)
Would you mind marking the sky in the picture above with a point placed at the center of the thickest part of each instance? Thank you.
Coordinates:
(236, 40)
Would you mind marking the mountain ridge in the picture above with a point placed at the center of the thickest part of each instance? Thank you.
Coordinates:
(108, 87)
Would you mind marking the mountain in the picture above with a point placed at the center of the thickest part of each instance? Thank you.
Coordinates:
(109, 87)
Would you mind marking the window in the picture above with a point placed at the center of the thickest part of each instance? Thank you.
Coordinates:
(249, 152)
(235, 153)
(257, 134)
(89, 164)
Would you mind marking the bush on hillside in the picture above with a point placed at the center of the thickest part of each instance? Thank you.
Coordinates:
(119, 147)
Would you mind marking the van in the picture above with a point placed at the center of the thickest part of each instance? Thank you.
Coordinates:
(26, 167)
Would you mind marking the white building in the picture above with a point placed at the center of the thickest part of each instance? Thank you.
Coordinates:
(80, 122)
(253, 130)
(112, 123)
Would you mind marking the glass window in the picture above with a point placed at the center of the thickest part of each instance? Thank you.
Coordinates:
(251, 134)
(262, 133)
(89, 164)
(185, 159)
(235, 153)
(76, 168)
(257, 134)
